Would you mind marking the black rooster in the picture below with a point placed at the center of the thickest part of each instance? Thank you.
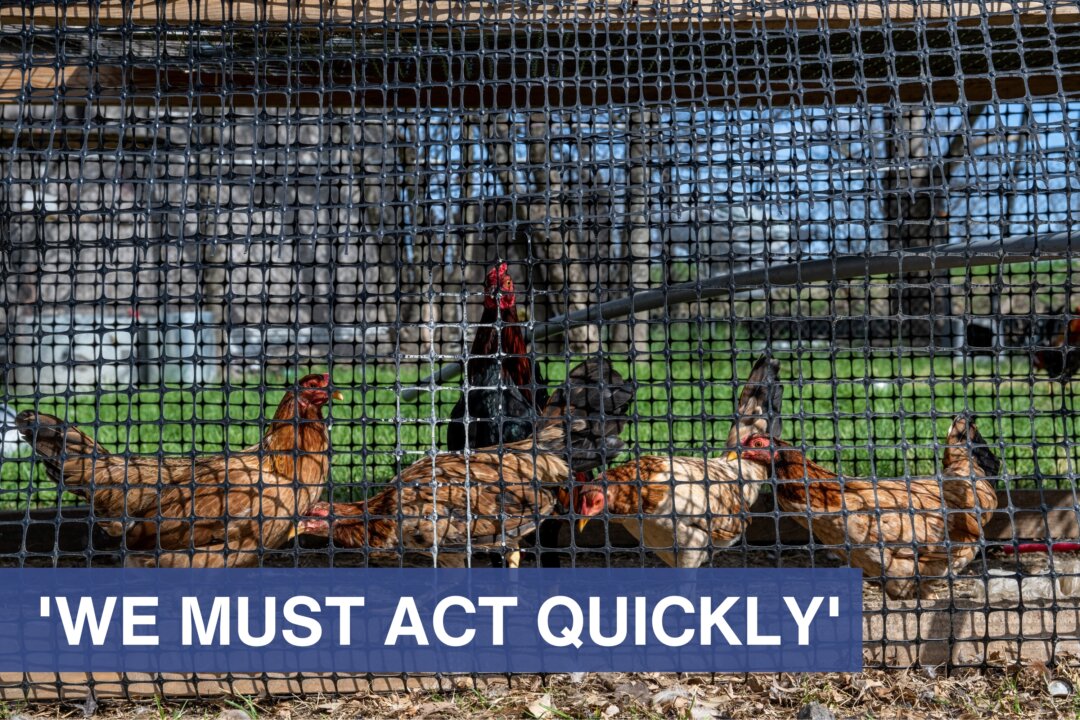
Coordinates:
(1055, 344)
(1057, 349)
(505, 390)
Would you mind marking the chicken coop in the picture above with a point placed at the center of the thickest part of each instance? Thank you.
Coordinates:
(817, 257)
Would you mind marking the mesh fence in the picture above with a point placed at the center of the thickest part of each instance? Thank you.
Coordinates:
(203, 204)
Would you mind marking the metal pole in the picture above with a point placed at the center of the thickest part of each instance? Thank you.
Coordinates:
(935, 257)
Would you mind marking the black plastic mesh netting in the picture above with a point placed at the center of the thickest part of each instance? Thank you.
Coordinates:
(202, 203)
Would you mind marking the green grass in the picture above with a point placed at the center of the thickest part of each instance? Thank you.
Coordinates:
(871, 414)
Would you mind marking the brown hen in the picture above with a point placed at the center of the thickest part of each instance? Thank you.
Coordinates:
(903, 532)
(681, 508)
(212, 511)
(453, 503)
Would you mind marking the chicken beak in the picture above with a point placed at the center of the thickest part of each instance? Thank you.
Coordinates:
(337, 395)
(732, 456)
(293, 532)
(581, 523)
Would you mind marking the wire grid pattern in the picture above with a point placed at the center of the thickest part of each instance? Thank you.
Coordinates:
(195, 216)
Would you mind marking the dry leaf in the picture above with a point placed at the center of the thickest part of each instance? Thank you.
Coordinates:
(703, 710)
(233, 714)
(541, 709)
(676, 697)
(434, 709)
(635, 690)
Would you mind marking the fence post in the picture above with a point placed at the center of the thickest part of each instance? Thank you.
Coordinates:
(632, 337)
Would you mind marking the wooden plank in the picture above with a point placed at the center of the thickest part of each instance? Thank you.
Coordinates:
(45, 84)
(898, 635)
(932, 634)
(76, 686)
(178, 89)
(547, 70)
(901, 635)
(37, 83)
(698, 13)
(1052, 514)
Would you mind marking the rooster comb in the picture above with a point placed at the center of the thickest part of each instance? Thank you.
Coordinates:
(496, 274)
(315, 380)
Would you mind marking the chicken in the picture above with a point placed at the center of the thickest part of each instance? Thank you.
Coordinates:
(903, 532)
(505, 390)
(451, 503)
(682, 508)
(212, 511)
(11, 442)
(1057, 346)
(1057, 350)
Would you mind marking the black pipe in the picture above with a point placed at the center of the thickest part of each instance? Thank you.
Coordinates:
(935, 257)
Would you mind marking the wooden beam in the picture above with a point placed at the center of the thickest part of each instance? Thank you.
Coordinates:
(46, 83)
(171, 14)
(38, 83)
(966, 633)
(544, 70)
(207, 90)
(1024, 514)
(76, 686)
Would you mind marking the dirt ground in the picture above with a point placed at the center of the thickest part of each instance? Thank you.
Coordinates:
(1020, 692)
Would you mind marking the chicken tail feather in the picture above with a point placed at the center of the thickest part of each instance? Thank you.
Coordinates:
(970, 443)
(758, 411)
(70, 456)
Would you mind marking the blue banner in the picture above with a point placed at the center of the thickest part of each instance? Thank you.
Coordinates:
(415, 620)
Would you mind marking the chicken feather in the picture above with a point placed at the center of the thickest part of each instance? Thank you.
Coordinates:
(901, 531)
(681, 508)
(204, 511)
(453, 502)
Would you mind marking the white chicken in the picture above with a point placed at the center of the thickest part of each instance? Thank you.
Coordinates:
(11, 442)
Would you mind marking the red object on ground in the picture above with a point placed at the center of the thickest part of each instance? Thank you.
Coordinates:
(1041, 547)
